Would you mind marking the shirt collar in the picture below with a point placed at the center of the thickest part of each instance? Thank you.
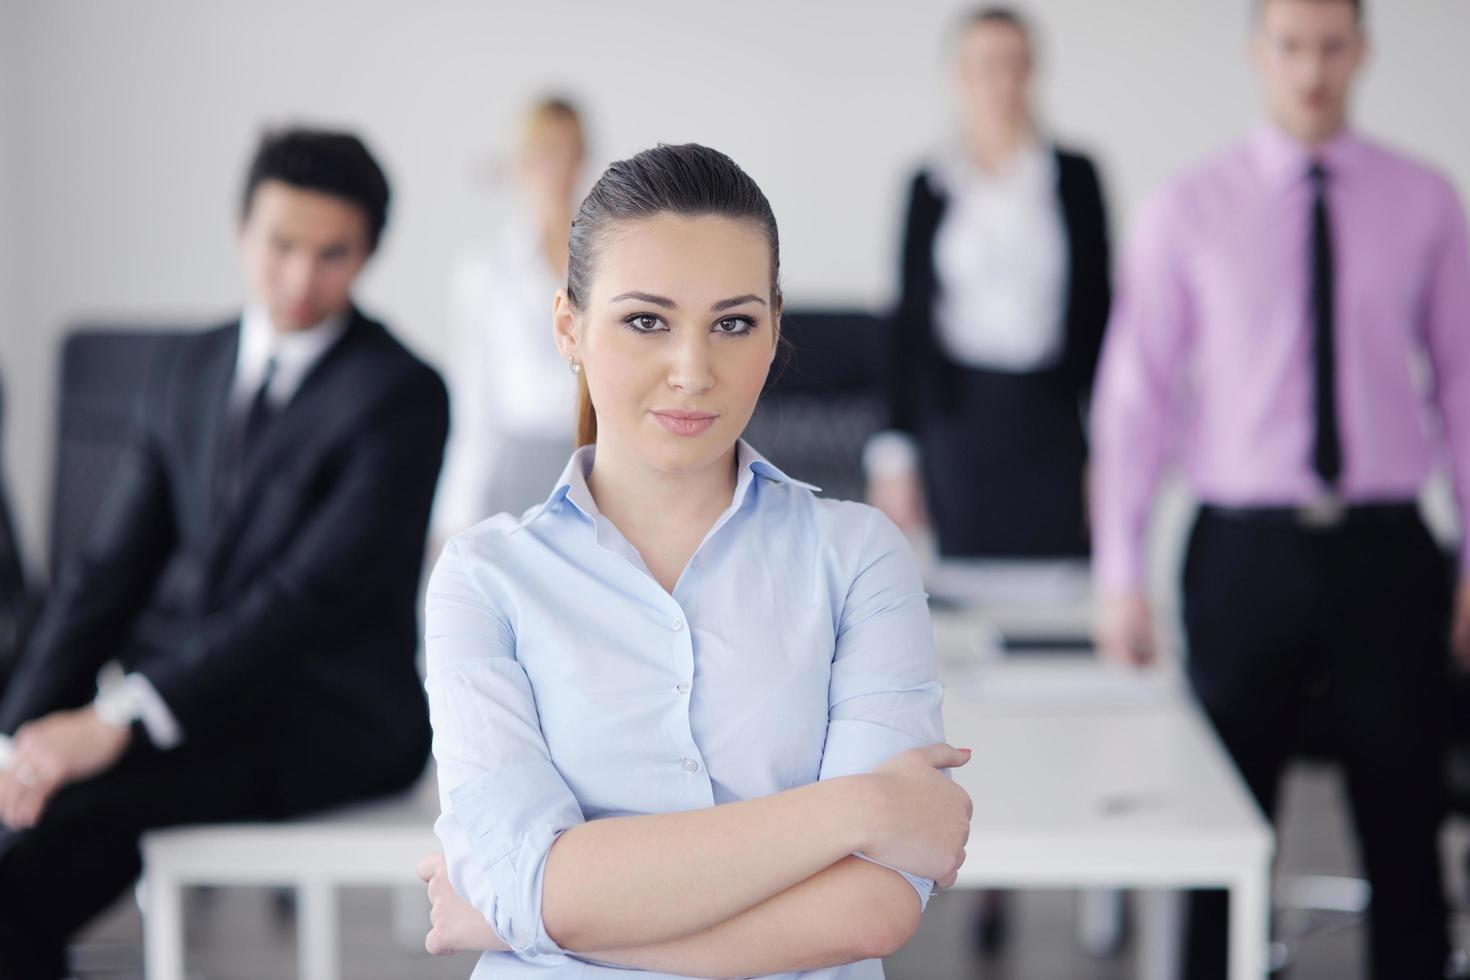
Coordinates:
(1285, 160)
(295, 351)
(1033, 165)
(573, 483)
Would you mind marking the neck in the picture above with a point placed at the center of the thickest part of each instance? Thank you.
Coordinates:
(1312, 137)
(993, 143)
(285, 331)
(555, 232)
(638, 498)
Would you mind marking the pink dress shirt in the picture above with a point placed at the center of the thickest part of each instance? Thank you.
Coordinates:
(1209, 353)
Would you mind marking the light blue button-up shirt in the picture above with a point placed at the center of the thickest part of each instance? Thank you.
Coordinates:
(566, 685)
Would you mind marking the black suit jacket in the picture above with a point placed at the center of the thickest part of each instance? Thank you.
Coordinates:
(920, 366)
(286, 613)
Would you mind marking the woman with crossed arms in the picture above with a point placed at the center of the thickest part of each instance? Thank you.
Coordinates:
(685, 712)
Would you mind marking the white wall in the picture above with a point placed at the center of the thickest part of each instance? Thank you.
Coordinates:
(124, 129)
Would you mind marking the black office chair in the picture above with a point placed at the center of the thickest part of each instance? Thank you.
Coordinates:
(826, 401)
(103, 372)
(102, 377)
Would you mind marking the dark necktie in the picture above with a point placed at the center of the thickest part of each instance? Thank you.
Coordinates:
(240, 435)
(259, 412)
(1327, 444)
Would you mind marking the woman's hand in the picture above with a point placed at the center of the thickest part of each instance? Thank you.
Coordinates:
(922, 817)
(454, 924)
(900, 496)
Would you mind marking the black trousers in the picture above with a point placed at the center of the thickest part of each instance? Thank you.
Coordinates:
(1344, 632)
(83, 853)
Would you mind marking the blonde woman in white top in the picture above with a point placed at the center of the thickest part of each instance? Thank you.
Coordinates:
(511, 430)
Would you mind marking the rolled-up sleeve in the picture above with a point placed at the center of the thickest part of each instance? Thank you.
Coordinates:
(885, 695)
(504, 803)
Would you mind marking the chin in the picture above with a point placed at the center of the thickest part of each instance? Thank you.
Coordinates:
(298, 323)
(687, 454)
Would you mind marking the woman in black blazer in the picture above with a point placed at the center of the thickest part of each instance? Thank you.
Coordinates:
(1004, 298)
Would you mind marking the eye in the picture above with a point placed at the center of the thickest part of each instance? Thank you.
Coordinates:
(643, 323)
(735, 325)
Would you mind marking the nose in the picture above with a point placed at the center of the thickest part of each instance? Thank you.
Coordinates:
(299, 275)
(690, 370)
(1314, 69)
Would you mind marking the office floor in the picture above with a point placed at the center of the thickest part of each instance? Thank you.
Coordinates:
(239, 934)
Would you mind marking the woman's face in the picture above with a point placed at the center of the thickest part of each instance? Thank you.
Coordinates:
(992, 73)
(675, 338)
(550, 163)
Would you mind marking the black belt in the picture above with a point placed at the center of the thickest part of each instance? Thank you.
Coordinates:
(1327, 512)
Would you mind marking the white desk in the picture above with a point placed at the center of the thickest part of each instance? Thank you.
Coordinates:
(1084, 776)
(376, 843)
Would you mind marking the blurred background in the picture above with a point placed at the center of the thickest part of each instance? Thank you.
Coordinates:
(125, 129)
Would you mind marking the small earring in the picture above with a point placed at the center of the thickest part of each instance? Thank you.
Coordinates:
(576, 368)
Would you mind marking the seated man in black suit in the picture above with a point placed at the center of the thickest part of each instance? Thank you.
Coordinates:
(248, 589)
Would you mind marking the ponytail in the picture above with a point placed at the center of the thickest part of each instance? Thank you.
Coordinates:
(586, 414)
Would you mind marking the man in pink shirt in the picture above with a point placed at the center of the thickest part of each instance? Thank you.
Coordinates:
(1293, 320)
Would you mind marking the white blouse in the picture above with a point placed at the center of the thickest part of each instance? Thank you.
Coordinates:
(507, 381)
(1000, 256)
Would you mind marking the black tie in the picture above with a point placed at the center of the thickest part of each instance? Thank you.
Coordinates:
(1327, 446)
(240, 435)
(259, 412)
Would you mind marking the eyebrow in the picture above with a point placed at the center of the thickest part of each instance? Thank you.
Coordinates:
(726, 304)
(669, 304)
(663, 301)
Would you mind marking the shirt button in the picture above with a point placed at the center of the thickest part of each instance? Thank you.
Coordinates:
(677, 624)
(691, 766)
(683, 687)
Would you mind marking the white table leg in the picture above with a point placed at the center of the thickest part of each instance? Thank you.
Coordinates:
(1250, 924)
(1159, 924)
(410, 917)
(1100, 920)
(163, 928)
(316, 931)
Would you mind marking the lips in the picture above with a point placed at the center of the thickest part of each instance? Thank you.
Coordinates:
(683, 422)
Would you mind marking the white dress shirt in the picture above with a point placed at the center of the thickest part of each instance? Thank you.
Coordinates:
(295, 352)
(125, 698)
(507, 380)
(566, 685)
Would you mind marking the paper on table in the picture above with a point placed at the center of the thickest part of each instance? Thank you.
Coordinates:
(1002, 582)
(1055, 680)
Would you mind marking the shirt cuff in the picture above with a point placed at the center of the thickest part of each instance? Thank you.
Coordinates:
(125, 698)
(511, 819)
(855, 746)
(890, 453)
(923, 886)
(1117, 570)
